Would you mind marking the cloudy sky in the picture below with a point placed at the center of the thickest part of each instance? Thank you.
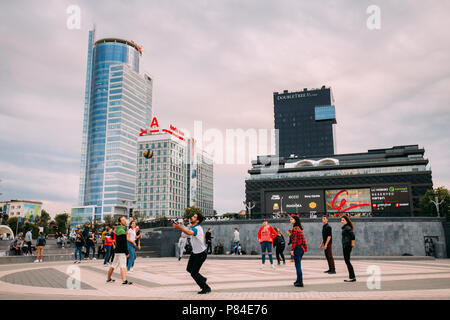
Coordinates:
(220, 62)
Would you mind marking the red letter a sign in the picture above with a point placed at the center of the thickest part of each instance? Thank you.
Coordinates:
(154, 123)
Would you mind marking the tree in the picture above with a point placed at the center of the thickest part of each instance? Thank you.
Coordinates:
(190, 211)
(16, 228)
(428, 207)
(5, 218)
(61, 221)
(44, 219)
(138, 217)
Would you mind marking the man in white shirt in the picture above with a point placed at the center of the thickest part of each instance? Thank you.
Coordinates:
(198, 255)
(236, 241)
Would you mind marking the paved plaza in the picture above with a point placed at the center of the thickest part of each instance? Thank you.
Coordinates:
(242, 279)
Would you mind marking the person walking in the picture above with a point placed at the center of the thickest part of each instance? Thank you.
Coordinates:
(236, 241)
(289, 233)
(138, 237)
(107, 245)
(208, 238)
(327, 241)
(86, 233)
(198, 254)
(28, 240)
(131, 240)
(121, 253)
(90, 243)
(298, 248)
(348, 242)
(182, 241)
(79, 243)
(266, 234)
(40, 244)
(280, 244)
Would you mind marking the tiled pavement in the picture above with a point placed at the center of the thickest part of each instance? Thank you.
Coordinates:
(166, 278)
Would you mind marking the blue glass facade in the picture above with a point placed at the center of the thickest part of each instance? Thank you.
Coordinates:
(118, 104)
(325, 113)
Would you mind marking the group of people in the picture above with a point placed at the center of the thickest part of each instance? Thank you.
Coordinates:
(21, 245)
(268, 238)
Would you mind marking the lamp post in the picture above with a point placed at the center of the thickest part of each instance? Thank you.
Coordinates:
(437, 203)
(128, 205)
(250, 205)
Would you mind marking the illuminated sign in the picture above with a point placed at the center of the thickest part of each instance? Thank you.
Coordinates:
(296, 95)
(390, 199)
(289, 202)
(347, 200)
(324, 113)
(155, 128)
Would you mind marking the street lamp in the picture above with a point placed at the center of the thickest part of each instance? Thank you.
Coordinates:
(437, 203)
(128, 205)
(250, 205)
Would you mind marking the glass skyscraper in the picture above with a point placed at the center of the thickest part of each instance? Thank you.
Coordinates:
(306, 122)
(118, 102)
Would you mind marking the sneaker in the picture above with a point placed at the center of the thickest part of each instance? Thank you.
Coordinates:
(94, 258)
(75, 261)
(110, 281)
(127, 282)
(40, 260)
(332, 272)
(205, 291)
(278, 263)
(327, 271)
(298, 284)
(179, 258)
(350, 280)
(284, 262)
(132, 269)
(36, 261)
(273, 267)
(105, 264)
(262, 266)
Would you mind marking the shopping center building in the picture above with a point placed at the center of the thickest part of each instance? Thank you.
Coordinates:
(381, 182)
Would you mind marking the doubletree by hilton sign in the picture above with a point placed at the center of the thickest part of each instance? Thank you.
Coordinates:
(296, 95)
(154, 128)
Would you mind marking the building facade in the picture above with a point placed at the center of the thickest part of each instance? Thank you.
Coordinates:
(381, 182)
(118, 102)
(22, 208)
(305, 121)
(175, 177)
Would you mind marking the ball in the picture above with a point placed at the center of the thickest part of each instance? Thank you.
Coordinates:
(147, 153)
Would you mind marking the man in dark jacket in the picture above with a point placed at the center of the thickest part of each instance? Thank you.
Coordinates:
(327, 241)
(208, 238)
(120, 252)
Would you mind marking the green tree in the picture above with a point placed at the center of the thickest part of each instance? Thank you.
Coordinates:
(62, 222)
(16, 228)
(190, 211)
(138, 217)
(429, 209)
(44, 219)
(5, 218)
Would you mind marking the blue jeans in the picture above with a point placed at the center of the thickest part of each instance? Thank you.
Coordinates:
(266, 246)
(132, 252)
(77, 250)
(298, 254)
(236, 247)
(107, 254)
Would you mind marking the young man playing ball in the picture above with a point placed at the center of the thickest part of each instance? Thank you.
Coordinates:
(198, 255)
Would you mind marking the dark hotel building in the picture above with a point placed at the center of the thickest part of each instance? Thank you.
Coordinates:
(381, 182)
(305, 122)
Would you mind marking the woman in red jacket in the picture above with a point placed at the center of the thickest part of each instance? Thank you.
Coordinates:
(298, 248)
(266, 234)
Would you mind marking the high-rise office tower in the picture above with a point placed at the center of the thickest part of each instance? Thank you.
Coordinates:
(118, 102)
(305, 121)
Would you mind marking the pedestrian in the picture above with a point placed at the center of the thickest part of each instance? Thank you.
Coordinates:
(348, 242)
(40, 244)
(86, 233)
(198, 255)
(107, 245)
(73, 235)
(131, 239)
(113, 247)
(218, 249)
(14, 248)
(28, 240)
(208, 238)
(138, 237)
(327, 241)
(280, 244)
(236, 241)
(298, 247)
(182, 241)
(266, 234)
(121, 253)
(90, 244)
(79, 243)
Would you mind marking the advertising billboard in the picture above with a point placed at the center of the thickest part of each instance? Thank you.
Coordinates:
(390, 199)
(31, 211)
(288, 202)
(351, 201)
